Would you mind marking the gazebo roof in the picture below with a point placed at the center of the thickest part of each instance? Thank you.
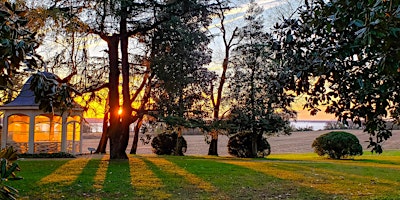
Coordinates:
(26, 97)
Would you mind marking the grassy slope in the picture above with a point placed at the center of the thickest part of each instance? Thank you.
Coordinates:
(284, 176)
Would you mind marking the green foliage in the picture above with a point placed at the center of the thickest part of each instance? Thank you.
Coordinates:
(176, 121)
(18, 44)
(9, 153)
(50, 93)
(179, 49)
(7, 169)
(337, 145)
(169, 144)
(266, 123)
(350, 47)
(240, 145)
(17, 47)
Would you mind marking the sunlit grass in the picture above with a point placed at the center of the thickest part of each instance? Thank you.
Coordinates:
(284, 176)
(67, 173)
(101, 172)
(236, 182)
(144, 181)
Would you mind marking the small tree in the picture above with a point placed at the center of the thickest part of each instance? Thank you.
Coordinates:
(337, 145)
(229, 41)
(259, 101)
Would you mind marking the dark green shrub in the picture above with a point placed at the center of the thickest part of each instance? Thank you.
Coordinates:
(169, 144)
(239, 145)
(337, 145)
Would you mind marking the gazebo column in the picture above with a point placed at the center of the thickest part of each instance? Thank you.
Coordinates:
(4, 134)
(80, 135)
(31, 139)
(73, 137)
(64, 132)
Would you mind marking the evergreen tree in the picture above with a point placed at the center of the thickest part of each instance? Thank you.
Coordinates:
(259, 101)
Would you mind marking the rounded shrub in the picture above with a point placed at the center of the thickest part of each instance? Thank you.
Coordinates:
(169, 144)
(239, 145)
(337, 145)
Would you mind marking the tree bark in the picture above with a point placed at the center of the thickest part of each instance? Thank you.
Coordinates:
(213, 149)
(221, 84)
(125, 116)
(101, 148)
(254, 147)
(252, 108)
(136, 136)
(117, 149)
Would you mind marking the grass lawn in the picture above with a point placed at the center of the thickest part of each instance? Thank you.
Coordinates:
(282, 176)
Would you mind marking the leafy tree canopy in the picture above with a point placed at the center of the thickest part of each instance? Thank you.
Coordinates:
(17, 46)
(345, 55)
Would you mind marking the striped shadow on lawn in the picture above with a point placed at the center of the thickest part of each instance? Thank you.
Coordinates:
(286, 176)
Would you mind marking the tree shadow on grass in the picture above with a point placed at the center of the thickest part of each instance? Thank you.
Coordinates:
(242, 182)
(117, 183)
(350, 181)
(33, 171)
(175, 181)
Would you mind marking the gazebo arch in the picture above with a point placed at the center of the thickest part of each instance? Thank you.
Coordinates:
(30, 130)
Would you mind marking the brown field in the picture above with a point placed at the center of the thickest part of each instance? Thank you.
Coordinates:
(298, 142)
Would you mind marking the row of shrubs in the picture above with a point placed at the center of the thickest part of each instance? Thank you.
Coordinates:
(336, 145)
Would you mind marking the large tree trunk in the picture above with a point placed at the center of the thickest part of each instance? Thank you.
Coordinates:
(136, 136)
(117, 147)
(125, 116)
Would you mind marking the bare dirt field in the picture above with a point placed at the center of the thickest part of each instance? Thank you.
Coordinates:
(297, 142)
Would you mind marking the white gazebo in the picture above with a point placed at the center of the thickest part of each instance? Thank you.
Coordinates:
(30, 130)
